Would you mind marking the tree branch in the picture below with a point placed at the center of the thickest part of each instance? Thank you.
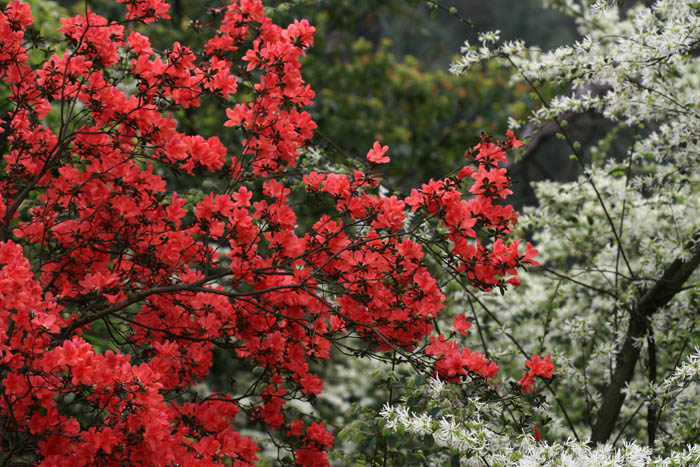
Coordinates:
(651, 301)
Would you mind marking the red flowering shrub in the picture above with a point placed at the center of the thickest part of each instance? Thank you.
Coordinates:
(95, 246)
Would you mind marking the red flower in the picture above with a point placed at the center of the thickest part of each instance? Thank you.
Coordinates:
(541, 367)
(317, 433)
(512, 142)
(311, 384)
(461, 324)
(295, 428)
(376, 154)
(527, 381)
(538, 367)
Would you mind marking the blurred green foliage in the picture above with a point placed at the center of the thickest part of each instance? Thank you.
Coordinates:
(427, 117)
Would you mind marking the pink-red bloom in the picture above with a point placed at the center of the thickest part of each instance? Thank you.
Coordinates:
(538, 367)
(376, 154)
(461, 324)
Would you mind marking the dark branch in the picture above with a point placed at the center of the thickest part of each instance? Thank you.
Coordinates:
(651, 301)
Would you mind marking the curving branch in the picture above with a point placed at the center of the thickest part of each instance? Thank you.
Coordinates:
(651, 301)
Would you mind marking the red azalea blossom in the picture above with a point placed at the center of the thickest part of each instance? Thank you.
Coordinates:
(376, 154)
(538, 367)
(512, 141)
(461, 324)
(296, 428)
(527, 381)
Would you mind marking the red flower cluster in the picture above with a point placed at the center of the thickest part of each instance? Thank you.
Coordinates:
(455, 362)
(485, 267)
(128, 288)
(538, 367)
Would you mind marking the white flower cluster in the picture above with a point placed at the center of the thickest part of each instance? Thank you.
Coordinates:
(601, 6)
(688, 371)
(473, 54)
(639, 69)
(582, 326)
(479, 446)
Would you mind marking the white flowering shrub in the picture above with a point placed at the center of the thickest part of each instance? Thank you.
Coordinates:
(616, 300)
